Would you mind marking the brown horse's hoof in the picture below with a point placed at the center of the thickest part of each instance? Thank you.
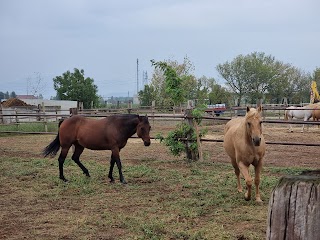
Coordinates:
(64, 180)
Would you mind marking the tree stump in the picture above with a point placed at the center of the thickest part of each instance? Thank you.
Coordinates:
(294, 208)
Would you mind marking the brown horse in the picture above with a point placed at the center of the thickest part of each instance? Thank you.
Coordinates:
(110, 133)
(245, 145)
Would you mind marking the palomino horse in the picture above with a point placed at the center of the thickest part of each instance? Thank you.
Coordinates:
(304, 113)
(245, 145)
(110, 133)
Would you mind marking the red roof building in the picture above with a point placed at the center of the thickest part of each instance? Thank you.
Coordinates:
(26, 97)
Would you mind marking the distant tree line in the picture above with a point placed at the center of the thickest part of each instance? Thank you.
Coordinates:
(173, 83)
(6, 95)
(248, 79)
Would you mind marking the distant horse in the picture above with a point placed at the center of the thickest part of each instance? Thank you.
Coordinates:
(110, 133)
(245, 145)
(304, 113)
(316, 113)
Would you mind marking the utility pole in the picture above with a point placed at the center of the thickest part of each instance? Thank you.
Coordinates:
(137, 76)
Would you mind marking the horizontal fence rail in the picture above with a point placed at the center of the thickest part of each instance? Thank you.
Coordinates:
(178, 116)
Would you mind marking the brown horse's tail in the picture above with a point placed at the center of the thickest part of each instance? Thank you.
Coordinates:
(54, 146)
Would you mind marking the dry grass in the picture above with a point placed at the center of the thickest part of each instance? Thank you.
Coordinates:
(165, 198)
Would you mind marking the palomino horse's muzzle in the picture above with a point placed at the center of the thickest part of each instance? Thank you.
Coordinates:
(256, 141)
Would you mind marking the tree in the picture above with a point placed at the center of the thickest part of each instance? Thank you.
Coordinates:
(35, 84)
(173, 83)
(183, 72)
(219, 94)
(146, 96)
(13, 94)
(300, 83)
(257, 75)
(235, 76)
(316, 75)
(74, 86)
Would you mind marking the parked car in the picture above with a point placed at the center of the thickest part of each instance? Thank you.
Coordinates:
(216, 109)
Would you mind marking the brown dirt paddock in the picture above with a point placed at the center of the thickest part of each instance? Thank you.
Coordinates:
(36, 205)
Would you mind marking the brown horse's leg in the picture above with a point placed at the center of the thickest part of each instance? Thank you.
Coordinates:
(257, 170)
(76, 158)
(112, 162)
(245, 172)
(237, 172)
(115, 158)
(62, 157)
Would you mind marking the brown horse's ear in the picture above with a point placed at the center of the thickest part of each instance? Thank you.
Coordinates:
(248, 109)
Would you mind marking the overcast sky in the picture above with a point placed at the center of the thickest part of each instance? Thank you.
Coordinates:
(106, 37)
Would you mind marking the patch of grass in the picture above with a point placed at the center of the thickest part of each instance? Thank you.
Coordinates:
(162, 200)
(288, 170)
(30, 127)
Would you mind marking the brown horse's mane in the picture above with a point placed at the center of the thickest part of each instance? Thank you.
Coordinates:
(130, 120)
(131, 116)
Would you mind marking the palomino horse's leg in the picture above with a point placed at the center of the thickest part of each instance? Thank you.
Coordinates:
(62, 157)
(245, 172)
(76, 158)
(237, 172)
(257, 169)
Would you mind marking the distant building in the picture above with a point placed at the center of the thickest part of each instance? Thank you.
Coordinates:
(26, 97)
(136, 99)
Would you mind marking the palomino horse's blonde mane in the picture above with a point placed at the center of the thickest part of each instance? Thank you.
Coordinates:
(253, 113)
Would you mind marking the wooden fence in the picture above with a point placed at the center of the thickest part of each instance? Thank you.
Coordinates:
(46, 117)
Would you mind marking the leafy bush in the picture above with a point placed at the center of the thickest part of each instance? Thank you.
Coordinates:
(176, 139)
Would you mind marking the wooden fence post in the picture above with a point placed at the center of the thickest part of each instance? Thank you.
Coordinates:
(73, 111)
(44, 118)
(153, 106)
(1, 116)
(129, 107)
(294, 208)
(191, 154)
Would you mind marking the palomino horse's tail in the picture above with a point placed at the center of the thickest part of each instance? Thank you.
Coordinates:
(54, 146)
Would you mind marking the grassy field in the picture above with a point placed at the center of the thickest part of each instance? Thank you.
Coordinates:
(166, 198)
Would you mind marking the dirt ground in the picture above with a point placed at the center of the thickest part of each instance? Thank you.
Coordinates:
(276, 154)
(30, 146)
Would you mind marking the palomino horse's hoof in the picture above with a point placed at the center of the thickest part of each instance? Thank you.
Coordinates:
(246, 197)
